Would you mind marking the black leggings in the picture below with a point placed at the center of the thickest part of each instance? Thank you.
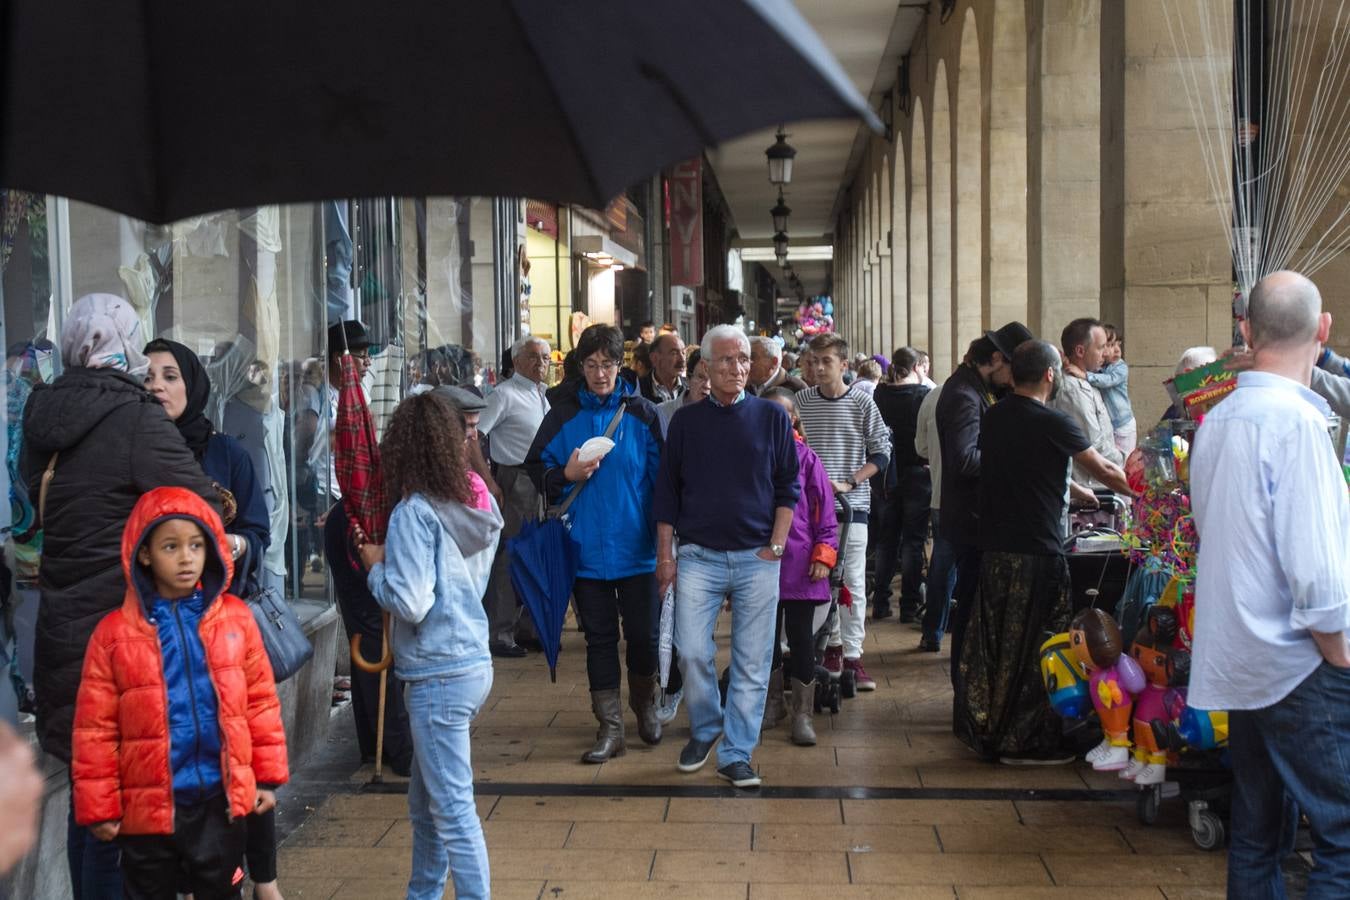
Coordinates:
(795, 617)
(601, 604)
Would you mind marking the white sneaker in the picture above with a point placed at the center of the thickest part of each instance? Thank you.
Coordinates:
(669, 706)
(1115, 759)
(1151, 773)
(1099, 752)
(1131, 771)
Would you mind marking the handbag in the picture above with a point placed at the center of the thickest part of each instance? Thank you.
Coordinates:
(284, 640)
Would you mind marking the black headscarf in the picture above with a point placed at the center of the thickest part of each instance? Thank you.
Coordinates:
(193, 425)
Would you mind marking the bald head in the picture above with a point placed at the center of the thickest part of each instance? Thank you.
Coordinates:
(1283, 311)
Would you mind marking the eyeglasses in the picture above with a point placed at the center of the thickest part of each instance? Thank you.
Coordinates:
(591, 367)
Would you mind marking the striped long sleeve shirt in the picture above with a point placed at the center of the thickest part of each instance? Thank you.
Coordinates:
(845, 432)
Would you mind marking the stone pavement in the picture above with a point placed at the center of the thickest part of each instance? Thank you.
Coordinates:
(937, 822)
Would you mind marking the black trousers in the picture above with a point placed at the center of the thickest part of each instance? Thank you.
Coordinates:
(204, 855)
(362, 615)
(795, 618)
(602, 604)
(260, 850)
(967, 590)
(902, 528)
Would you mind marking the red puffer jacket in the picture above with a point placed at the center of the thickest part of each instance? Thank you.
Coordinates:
(121, 763)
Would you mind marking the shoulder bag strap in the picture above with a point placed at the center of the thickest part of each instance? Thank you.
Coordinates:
(47, 476)
(609, 433)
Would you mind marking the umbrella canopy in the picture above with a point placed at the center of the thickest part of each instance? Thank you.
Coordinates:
(543, 567)
(356, 456)
(161, 113)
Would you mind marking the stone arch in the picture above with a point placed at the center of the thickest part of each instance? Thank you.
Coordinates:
(917, 250)
(869, 241)
(899, 252)
(940, 329)
(1007, 238)
(970, 317)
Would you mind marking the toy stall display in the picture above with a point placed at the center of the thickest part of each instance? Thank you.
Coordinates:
(814, 317)
(1130, 666)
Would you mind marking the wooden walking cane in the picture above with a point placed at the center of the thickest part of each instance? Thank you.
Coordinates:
(382, 666)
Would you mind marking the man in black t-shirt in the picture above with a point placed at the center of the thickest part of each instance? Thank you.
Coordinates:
(1026, 449)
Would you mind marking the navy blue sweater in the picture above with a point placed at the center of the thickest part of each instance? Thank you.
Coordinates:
(724, 471)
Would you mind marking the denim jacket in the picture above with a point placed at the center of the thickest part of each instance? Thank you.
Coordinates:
(1114, 383)
(437, 557)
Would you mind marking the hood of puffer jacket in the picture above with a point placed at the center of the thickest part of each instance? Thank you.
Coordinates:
(155, 507)
(472, 530)
(59, 415)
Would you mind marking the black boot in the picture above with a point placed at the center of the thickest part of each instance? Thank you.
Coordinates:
(608, 711)
(643, 697)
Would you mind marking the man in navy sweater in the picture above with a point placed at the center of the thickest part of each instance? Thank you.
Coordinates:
(728, 487)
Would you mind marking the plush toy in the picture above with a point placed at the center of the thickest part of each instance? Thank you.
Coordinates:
(1063, 678)
(1152, 650)
(1186, 726)
(1113, 680)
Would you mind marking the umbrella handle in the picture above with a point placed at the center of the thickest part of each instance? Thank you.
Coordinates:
(386, 658)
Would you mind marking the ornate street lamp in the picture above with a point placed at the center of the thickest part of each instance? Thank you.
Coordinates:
(780, 244)
(780, 160)
(780, 214)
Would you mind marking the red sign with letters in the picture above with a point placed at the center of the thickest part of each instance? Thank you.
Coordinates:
(684, 186)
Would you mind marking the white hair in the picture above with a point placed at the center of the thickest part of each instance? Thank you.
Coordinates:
(722, 333)
(519, 346)
(768, 345)
(1195, 357)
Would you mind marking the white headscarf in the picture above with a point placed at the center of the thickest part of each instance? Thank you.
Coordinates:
(102, 331)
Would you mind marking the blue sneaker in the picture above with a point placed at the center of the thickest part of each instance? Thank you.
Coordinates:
(740, 775)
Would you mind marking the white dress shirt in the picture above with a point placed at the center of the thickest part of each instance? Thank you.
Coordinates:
(513, 414)
(1270, 505)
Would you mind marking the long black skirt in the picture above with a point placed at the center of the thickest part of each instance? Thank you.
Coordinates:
(1000, 705)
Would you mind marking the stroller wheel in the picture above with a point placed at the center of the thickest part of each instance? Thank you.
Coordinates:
(834, 699)
(818, 696)
(848, 685)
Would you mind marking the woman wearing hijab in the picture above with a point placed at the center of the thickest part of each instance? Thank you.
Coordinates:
(178, 380)
(105, 441)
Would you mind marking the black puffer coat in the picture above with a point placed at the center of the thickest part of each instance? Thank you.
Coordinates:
(115, 443)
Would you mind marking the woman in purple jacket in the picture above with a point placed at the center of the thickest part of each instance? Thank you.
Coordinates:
(803, 586)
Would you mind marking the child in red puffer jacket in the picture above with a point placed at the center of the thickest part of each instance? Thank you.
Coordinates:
(178, 730)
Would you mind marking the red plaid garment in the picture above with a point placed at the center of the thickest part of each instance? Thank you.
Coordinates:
(356, 455)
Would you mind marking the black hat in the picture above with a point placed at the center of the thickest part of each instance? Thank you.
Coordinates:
(356, 338)
(465, 399)
(1007, 338)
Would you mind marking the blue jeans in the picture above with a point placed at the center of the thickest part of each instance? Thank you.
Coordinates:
(704, 578)
(1297, 749)
(447, 836)
(95, 866)
(941, 583)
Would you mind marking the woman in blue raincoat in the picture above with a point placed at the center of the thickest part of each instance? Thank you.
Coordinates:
(612, 527)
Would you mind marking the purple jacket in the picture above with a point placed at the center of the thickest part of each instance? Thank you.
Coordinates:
(813, 524)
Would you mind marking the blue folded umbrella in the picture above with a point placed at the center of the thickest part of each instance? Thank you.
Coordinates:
(543, 567)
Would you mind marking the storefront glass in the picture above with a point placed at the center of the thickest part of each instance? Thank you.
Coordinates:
(252, 292)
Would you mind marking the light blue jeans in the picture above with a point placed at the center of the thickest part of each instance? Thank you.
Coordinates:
(447, 836)
(704, 578)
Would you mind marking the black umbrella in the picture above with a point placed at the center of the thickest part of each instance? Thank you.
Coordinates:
(165, 110)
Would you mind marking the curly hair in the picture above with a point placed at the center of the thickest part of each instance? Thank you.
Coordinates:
(423, 451)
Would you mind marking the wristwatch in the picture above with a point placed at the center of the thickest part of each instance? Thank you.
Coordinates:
(777, 550)
(851, 481)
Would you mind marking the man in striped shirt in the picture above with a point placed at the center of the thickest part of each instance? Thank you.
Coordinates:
(845, 429)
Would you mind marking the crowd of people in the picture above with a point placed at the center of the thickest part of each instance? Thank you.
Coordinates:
(729, 480)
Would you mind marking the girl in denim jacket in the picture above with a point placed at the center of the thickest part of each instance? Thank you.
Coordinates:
(430, 576)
